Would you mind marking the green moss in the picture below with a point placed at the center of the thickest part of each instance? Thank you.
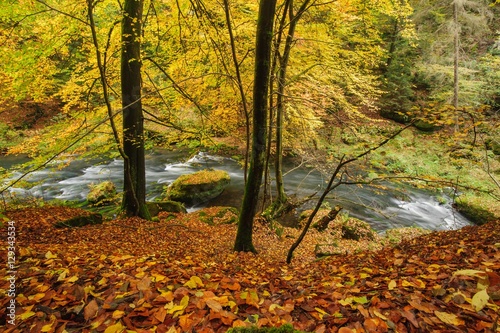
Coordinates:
(472, 208)
(225, 215)
(198, 187)
(356, 229)
(101, 193)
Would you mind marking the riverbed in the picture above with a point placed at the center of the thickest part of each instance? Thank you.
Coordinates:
(395, 205)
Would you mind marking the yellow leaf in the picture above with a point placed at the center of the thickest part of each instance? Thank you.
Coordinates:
(117, 314)
(321, 311)
(47, 328)
(62, 276)
(378, 314)
(74, 278)
(392, 285)
(273, 307)
(449, 318)
(116, 328)
(346, 301)
(480, 299)
(158, 277)
(177, 309)
(194, 282)
(50, 255)
(287, 278)
(140, 275)
(36, 297)
(360, 300)
(26, 315)
(470, 272)
(102, 281)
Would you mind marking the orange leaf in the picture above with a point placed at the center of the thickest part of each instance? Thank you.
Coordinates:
(144, 284)
(186, 322)
(214, 305)
(161, 314)
(345, 330)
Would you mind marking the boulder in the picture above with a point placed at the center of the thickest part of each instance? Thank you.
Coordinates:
(80, 221)
(102, 193)
(165, 206)
(199, 187)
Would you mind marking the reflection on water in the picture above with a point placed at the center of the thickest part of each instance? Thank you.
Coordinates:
(394, 206)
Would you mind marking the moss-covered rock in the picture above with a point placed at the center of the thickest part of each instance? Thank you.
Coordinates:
(218, 215)
(356, 230)
(473, 211)
(101, 193)
(199, 187)
(165, 206)
(80, 221)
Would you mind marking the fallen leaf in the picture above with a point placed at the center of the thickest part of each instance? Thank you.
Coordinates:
(480, 299)
(116, 328)
(90, 310)
(449, 318)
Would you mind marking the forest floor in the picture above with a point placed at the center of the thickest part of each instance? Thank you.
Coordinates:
(181, 275)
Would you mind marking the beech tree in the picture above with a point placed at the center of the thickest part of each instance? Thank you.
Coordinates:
(134, 188)
(262, 74)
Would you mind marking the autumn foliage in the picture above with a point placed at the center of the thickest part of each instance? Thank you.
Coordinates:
(181, 275)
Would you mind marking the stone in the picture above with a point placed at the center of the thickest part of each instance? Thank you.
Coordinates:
(165, 206)
(80, 221)
(101, 193)
(199, 187)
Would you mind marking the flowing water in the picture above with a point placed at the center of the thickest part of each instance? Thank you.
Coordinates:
(393, 206)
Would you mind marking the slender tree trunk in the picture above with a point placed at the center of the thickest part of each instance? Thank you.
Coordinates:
(263, 48)
(134, 188)
(240, 85)
(281, 197)
(455, 61)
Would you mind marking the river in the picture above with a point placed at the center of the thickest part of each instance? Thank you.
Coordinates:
(394, 206)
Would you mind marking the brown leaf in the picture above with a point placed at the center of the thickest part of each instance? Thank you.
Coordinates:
(90, 310)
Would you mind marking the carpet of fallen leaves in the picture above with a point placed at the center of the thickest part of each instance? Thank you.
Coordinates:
(181, 275)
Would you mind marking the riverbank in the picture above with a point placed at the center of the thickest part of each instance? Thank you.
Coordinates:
(181, 275)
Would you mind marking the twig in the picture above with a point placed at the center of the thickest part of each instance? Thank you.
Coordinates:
(331, 186)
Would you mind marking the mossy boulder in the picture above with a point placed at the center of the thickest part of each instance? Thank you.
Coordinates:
(218, 215)
(397, 116)
(80, 221)
(199, 187)
(357, 230)
(473, 210)
(101, 193)
(165, 206)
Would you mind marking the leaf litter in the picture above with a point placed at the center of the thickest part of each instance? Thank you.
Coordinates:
(181, 275)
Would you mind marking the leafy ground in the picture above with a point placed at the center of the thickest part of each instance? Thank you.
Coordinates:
(181, 275)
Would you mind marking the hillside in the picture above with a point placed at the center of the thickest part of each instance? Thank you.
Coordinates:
(181, 275)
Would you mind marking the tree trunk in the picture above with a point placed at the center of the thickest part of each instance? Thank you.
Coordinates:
(281, 197)
(263, 47)
(134, 187)
(456, 50)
